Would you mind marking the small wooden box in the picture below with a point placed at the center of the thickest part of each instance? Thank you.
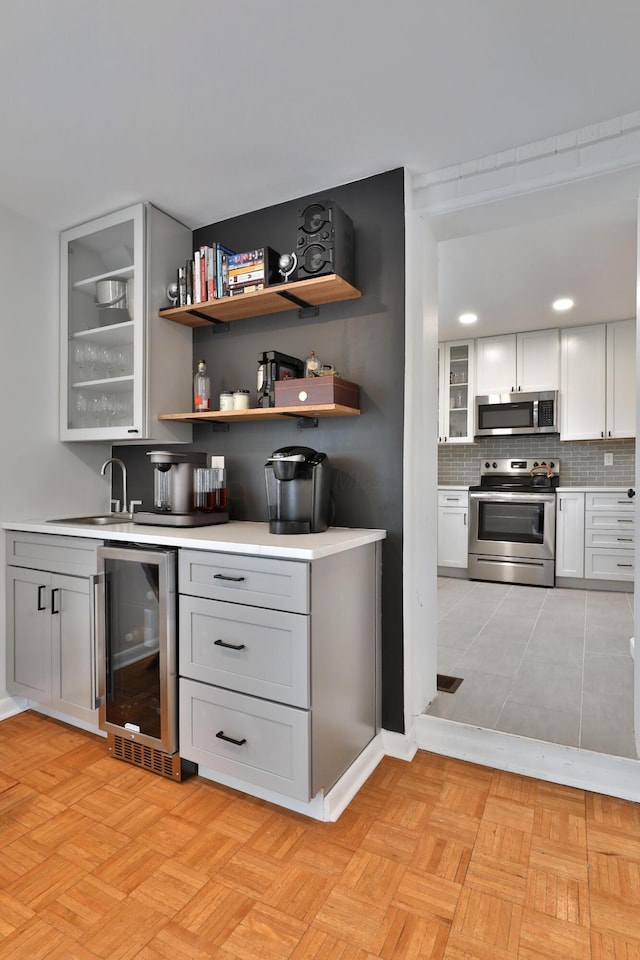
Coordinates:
(308, 391)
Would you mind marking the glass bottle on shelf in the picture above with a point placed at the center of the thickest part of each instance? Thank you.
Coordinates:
(201, 389)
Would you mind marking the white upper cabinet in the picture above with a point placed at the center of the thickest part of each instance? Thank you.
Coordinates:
(120, 364)
(517, 362)
(456, 393)
(621, 379)
(598, 381)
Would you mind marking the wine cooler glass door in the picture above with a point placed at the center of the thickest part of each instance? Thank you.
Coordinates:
(137, 672)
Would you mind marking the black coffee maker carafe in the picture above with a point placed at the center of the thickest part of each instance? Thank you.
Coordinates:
(298, 490)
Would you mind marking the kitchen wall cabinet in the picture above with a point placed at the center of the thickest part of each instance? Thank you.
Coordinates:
(121, 365)
(456, 392)
(278, 663)
(570, 534)
(517, 362)
(597, 399)
(453, 528)
(51, 624)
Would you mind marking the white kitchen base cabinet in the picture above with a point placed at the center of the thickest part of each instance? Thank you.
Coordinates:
(453, 528)
(278, 666)
(50, 624)
(570, 534)
(609, 536)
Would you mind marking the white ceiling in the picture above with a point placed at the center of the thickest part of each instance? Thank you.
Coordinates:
(211, 109)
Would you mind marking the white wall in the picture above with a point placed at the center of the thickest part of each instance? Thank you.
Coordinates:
(39, 476)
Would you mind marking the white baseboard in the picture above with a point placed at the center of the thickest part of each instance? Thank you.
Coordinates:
(597, 772)
(10, 706)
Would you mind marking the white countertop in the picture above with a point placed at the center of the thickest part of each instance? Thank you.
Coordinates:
(579, 489)
(233, 537)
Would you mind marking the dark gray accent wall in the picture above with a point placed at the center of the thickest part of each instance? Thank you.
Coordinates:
(364, 339)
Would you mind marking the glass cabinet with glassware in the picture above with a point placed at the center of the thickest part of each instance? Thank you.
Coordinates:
(455, 397)
(120, 364)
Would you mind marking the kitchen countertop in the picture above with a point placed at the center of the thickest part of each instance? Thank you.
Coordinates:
(233, 537)
(618, 488)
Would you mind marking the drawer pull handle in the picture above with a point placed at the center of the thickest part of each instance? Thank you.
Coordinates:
(40, 604)
(624, 539)
(229, 646)
(221, 736)
(624, 521)
(624, 564)
(224, 576)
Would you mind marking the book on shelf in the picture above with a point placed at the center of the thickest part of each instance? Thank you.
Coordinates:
(222, 269)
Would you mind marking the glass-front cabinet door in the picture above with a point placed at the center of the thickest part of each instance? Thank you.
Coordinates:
(456, 396)
(117, 371)
(103, 305)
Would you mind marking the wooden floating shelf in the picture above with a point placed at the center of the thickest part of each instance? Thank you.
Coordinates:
(264, 413)
(273, 299)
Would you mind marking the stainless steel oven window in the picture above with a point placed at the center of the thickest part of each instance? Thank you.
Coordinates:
(512, 522)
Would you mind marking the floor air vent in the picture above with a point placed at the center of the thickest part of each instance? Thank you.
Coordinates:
(140, 755)
(448, 684)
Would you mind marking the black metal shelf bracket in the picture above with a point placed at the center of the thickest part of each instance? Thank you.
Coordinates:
(306, 310)
(218, 326)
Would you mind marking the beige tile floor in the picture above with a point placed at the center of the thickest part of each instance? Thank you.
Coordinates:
(552, 664)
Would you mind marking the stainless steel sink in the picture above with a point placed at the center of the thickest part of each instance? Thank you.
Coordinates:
(96, 521)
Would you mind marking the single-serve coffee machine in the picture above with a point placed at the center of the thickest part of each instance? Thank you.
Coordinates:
(179, 498)
(298, 490)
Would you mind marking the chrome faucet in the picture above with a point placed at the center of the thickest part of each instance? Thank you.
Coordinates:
(124, 481)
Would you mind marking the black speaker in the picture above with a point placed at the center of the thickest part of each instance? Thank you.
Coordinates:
(324, 242)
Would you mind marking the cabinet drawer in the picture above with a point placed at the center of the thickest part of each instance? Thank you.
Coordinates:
(609, 520)
(257, 581)
(608, 564)
(609, 501)
(616, 539)
(39, 551)
(260, 652)
(273, 742)
(453, 498)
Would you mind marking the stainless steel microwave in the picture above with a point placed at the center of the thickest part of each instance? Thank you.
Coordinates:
(513, 414)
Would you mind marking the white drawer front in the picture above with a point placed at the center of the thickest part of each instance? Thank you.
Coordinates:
(272, 748)
(603, 520)
(609, 501)
(453, 498)
(264, 653)
(608, 564)
(616, 539)
(39, 551)
(257, 581)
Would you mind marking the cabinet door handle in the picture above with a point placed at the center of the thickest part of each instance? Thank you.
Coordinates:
(40, 603)
(224, 576)
(464, 522)
(221, 736)
(229, 646)
(53, 600)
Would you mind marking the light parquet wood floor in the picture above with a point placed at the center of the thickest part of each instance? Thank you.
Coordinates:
(433, 859)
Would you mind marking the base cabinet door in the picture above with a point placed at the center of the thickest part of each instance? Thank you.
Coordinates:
(51, 643)
(452, 537)
(29, 634)
(570, 535)
(72, 647)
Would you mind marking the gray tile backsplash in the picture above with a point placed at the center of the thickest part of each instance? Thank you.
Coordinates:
(581, 463)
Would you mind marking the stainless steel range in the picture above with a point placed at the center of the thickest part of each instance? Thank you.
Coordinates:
(512, 522)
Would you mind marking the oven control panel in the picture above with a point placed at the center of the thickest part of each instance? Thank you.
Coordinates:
(517, 468)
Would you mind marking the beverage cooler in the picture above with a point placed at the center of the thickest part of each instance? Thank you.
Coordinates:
(137, 681)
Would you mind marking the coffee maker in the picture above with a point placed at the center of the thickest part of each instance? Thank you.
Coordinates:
(174, 479)
(298, 490)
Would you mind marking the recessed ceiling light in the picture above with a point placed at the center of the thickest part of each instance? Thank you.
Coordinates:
(468, 317)
(562, 303)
